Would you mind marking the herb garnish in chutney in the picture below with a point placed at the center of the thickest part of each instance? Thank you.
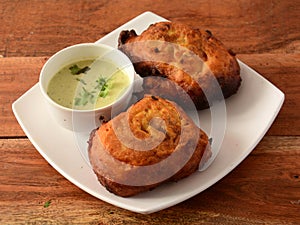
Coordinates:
(75, 70)
(102, 86)
(85, 96)
(87, 84)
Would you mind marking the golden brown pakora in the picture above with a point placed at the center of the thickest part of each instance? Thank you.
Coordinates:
(153, 142)
(193, 62)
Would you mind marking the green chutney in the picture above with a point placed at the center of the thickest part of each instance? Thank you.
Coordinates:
(87, 84)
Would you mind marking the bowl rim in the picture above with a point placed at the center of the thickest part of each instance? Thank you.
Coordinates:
(82, 45)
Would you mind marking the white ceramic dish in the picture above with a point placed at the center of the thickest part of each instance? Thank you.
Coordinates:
(83, 120)
(250, 113)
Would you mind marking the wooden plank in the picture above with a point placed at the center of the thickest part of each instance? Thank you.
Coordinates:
(284, 72)
(263, 189)
(18, 74)
(40, 28)
(266, 186)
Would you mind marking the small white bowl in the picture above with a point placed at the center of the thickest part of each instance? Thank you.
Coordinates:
(85, 120)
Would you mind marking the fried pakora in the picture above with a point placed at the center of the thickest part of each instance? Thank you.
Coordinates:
(193, 61)
(153, 142)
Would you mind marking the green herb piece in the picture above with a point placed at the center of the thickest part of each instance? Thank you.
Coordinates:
(104, 91)
(100, 82)
(75, 69)
(85, 97)
(81, 81)
(47, 203)
(90, 96)
(102, 86)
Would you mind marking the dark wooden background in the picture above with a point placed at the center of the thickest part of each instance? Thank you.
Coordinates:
(263, 189)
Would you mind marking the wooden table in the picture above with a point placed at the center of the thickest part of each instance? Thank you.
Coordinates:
(263, 189)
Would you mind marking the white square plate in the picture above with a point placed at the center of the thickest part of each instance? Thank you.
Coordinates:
(250, 113)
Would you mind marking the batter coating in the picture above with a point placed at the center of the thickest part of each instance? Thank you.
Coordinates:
(193, 61)
(154, 141)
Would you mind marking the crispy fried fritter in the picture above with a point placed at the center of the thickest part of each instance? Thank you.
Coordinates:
(193, 60)
(154, 141)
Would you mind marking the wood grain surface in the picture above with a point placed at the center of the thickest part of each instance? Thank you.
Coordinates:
(263, 189)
